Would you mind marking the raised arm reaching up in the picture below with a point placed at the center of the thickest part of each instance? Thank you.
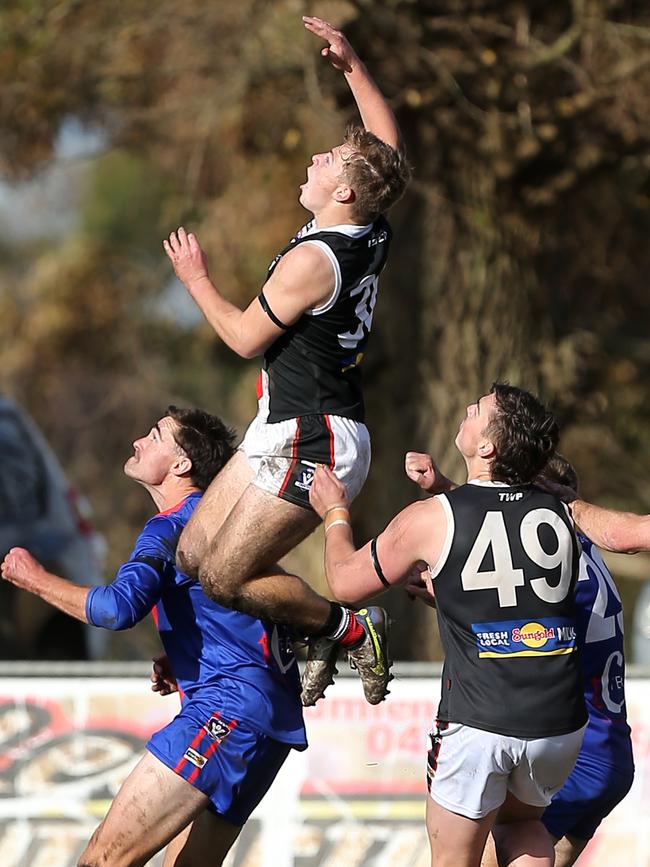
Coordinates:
(375, 113)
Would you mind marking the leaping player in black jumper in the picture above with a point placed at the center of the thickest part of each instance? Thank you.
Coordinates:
(311, 321)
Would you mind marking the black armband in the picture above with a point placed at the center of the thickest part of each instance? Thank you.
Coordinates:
(157, 563)
(376, 564)
(266, 308)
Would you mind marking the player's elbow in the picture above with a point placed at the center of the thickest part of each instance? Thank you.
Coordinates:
(114, 620)
(107, 611)
(343, 591)
(249, 342)
(349, 600)
(249, 351)
(251, 345)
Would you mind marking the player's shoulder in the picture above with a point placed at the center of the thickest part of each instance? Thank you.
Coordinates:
(304, 256)
(422, 513)
(158, 538)
(161, 532)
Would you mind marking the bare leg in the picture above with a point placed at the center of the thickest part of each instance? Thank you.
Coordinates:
(151, 808)
(489, 858)
(456, 841)
(568, 849)
(212, 510)
(565, 854)
(238, 570)
(206, 841)
(520, 837)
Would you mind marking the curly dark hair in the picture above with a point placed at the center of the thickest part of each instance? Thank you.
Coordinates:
(377, 172)
(524, 434)
(205, 439)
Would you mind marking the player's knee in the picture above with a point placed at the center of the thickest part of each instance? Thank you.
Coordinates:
(186, 560)
(91, 857)
(95, 855)
(104, 849)
(215, 588)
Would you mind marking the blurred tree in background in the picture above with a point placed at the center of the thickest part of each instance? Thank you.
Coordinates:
(520, 251)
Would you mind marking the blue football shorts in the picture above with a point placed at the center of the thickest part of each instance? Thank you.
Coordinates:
(223, 758)
(591, 791)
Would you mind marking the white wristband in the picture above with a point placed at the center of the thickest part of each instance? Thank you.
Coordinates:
(334, 523)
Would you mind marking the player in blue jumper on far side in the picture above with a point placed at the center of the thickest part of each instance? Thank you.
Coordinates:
(205, 772)
(604, 770)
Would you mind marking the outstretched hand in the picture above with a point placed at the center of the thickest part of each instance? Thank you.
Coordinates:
(339, 52)
(21, 569)
(326, 491)
(185, 253)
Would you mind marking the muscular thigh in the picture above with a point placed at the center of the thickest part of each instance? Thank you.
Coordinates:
(259, 530)
(455, 840)
(152, 807)
(212, 510)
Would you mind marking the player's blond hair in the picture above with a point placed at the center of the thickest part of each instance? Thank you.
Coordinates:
(377, 173)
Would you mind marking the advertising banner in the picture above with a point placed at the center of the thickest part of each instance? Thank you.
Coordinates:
(355, 797)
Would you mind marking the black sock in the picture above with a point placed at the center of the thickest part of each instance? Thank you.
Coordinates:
(334, 618)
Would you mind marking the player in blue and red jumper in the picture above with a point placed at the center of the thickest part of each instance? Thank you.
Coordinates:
(604, 771)
(205, 772)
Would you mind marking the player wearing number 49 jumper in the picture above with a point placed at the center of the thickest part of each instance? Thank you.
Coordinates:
(503, 557)
(311, 322)
(604, 771)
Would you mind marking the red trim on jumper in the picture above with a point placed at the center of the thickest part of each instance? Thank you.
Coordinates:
(329, 428)
(294, 458)
(264, 643)
(259, 387)
(597, 690)
(154, 614)
(178, 505)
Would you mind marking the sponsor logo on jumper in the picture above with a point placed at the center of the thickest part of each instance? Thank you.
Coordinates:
(195, 758)
(566, 633)
(533, 634)
(306, 477)
(547, 636)
(379, 238)
(216, 728)
(510, 496)
(493, 639)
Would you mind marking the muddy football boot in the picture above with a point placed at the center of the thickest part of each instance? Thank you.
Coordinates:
(371, 658)
(320, 669)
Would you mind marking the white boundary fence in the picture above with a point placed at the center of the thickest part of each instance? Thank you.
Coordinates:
(70, 733)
